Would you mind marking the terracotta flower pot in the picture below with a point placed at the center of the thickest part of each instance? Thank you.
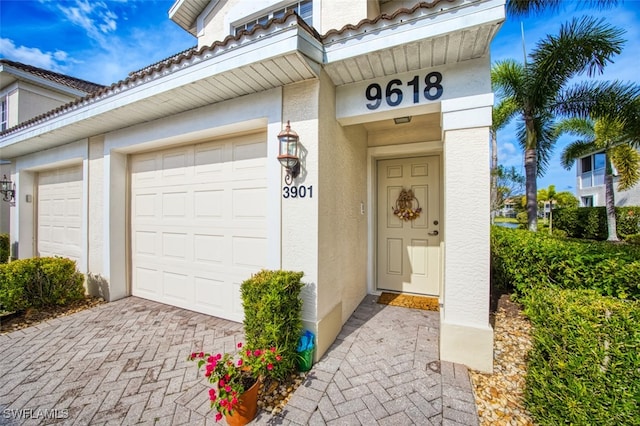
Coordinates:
(247, 407)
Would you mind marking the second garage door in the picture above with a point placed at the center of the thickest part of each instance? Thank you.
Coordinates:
(198, 223)
(60, 213)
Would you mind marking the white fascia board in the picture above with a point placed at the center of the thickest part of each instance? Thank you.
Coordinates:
(424, 27)
(197, 68)
(25, 76)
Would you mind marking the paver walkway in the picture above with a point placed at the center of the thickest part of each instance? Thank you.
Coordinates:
(125, 363)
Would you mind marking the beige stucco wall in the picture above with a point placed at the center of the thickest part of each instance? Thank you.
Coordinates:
(342, 221)
(97, 284)
(32, 103)
(5, 169)
(327, 14)
(299, 227)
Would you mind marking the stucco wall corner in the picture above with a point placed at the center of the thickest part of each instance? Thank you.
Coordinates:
(471, 346)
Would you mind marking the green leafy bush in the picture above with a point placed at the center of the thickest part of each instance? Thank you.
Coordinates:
(525, 260)
(273, 314)
(4, 248)
(633, 239)
(584, 368)
(591, 222)
(38, 282)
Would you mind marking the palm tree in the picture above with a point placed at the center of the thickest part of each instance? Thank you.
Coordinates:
(608, 135)
(527, 7)
(501, 115)
(539, 89)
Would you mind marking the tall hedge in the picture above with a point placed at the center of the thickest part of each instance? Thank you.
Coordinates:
(38, 282)
(4, 248)
(273, 314)
(584, 368)
(525, 260)
(591, 222)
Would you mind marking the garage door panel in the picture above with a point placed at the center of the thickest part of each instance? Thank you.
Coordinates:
(176, 288)
(209, 248)
(249, 252)
(249, 203)
(209, 293)
(208, 203)
(59, 213)
(175, 245)
(203, 229)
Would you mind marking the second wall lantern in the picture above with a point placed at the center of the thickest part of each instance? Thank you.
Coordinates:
(288, 155)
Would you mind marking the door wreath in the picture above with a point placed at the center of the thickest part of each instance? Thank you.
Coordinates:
(404, 206)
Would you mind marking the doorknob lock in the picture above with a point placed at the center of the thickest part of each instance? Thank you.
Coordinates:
(434, 233)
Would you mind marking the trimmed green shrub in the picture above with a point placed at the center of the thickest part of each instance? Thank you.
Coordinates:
(4, 248)
(584, 367)
(525, 260)
(38, 282)
(591, 222)
(273, 314)
(633, 239)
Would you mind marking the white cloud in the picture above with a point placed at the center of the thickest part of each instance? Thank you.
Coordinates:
(94, 17)
(55, 61)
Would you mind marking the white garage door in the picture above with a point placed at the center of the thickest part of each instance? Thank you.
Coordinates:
(60, 213)
(198, 226)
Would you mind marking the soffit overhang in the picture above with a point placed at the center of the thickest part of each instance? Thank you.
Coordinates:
(284, 53)
(185, 13)
(426, 36)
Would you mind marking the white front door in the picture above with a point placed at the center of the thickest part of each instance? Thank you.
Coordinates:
(408, 250)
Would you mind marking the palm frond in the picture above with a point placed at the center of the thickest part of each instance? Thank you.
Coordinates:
(575, 150)
(627, 161)
(525, 8)
(582, 127)
(583, 45)
(528, 7)
(503, 113)
(599, 99)
(508, 79)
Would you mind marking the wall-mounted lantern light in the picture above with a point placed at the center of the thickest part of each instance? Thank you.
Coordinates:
(289, 153)
(7, 189)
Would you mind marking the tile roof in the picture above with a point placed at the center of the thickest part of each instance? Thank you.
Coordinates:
(430, 4)
(104, 91)
(74, 83)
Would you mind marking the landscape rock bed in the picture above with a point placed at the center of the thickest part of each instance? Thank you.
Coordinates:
(499, 396)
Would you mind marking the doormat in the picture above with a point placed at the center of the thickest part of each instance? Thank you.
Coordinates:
(409, 301)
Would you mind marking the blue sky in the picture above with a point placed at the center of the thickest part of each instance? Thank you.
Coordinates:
(102, 41)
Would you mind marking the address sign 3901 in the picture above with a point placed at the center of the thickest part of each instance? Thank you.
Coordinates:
(394, 94)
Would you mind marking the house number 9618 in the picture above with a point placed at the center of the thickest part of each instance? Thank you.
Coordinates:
(393, 93)
(297, 191)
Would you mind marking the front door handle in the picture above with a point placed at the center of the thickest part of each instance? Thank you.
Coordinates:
(434, 233)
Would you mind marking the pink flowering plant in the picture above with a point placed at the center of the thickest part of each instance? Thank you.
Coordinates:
(233, 374)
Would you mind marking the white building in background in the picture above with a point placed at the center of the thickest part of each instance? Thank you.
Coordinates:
(167, 185)
(590, 172)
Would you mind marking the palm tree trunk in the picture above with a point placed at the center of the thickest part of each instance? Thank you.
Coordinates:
(494, 177)
(610, 201)
(531, 188)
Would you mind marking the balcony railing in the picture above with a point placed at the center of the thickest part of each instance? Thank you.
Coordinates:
(591, 179)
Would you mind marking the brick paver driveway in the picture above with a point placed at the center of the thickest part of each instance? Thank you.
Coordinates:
(119, 363)
(124, 363)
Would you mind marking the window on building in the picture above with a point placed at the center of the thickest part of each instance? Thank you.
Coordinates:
(3, 115)
(598, 161)
(303, 8)
(585, 164)
(587, 201)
